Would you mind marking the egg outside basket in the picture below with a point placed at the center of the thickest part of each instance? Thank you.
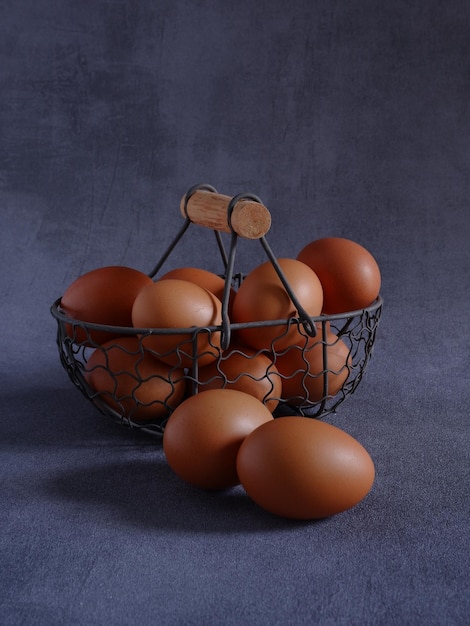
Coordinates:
(245, 216)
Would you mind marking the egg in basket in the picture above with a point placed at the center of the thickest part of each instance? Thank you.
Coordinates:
(296, 333)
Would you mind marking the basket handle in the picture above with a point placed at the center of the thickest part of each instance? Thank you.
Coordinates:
(248, 218)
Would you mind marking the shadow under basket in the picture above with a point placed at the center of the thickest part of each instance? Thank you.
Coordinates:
(306, 378)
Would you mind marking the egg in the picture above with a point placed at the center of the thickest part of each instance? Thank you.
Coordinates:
(102, 296)
(301, 468)
(262, 297)
(210, 281)
(178, 304)
(244, 370)
(132, 382)
(307, 367)
(203, 435)
(349, 274)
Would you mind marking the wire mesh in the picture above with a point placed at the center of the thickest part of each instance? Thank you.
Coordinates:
(135, 390)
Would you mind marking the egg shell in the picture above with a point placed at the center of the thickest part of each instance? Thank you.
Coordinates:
(301, 468)
(210, 281)
(102, 296)
(303, 368)
(179, 304)
(203, 435)
(262, 297)
(349, 274)
(133, 382)
(245, 370)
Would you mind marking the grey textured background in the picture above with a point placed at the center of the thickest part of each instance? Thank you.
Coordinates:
(346, 118)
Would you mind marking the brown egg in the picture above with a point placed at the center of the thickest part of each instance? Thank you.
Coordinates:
(305, 367)
(349, 274)
(302, 468)
(103, 296)
(179, 304)
(203, 435)
(262, 297)
(245, 370)
(210, 281)
(133, 382)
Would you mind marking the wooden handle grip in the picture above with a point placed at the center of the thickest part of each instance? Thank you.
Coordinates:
(250, 219)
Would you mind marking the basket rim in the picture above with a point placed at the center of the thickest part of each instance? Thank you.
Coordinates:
(60, 316)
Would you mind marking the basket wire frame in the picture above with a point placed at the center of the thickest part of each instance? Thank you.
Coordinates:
(357, 329)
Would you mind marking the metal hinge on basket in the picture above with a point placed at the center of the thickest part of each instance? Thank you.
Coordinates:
(243, 215)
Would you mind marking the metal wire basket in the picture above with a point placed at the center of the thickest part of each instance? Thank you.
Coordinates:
(318, 391)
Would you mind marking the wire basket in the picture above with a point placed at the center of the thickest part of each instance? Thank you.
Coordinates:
(151, 395)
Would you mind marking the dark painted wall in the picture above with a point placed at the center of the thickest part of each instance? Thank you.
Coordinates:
(347, 118)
